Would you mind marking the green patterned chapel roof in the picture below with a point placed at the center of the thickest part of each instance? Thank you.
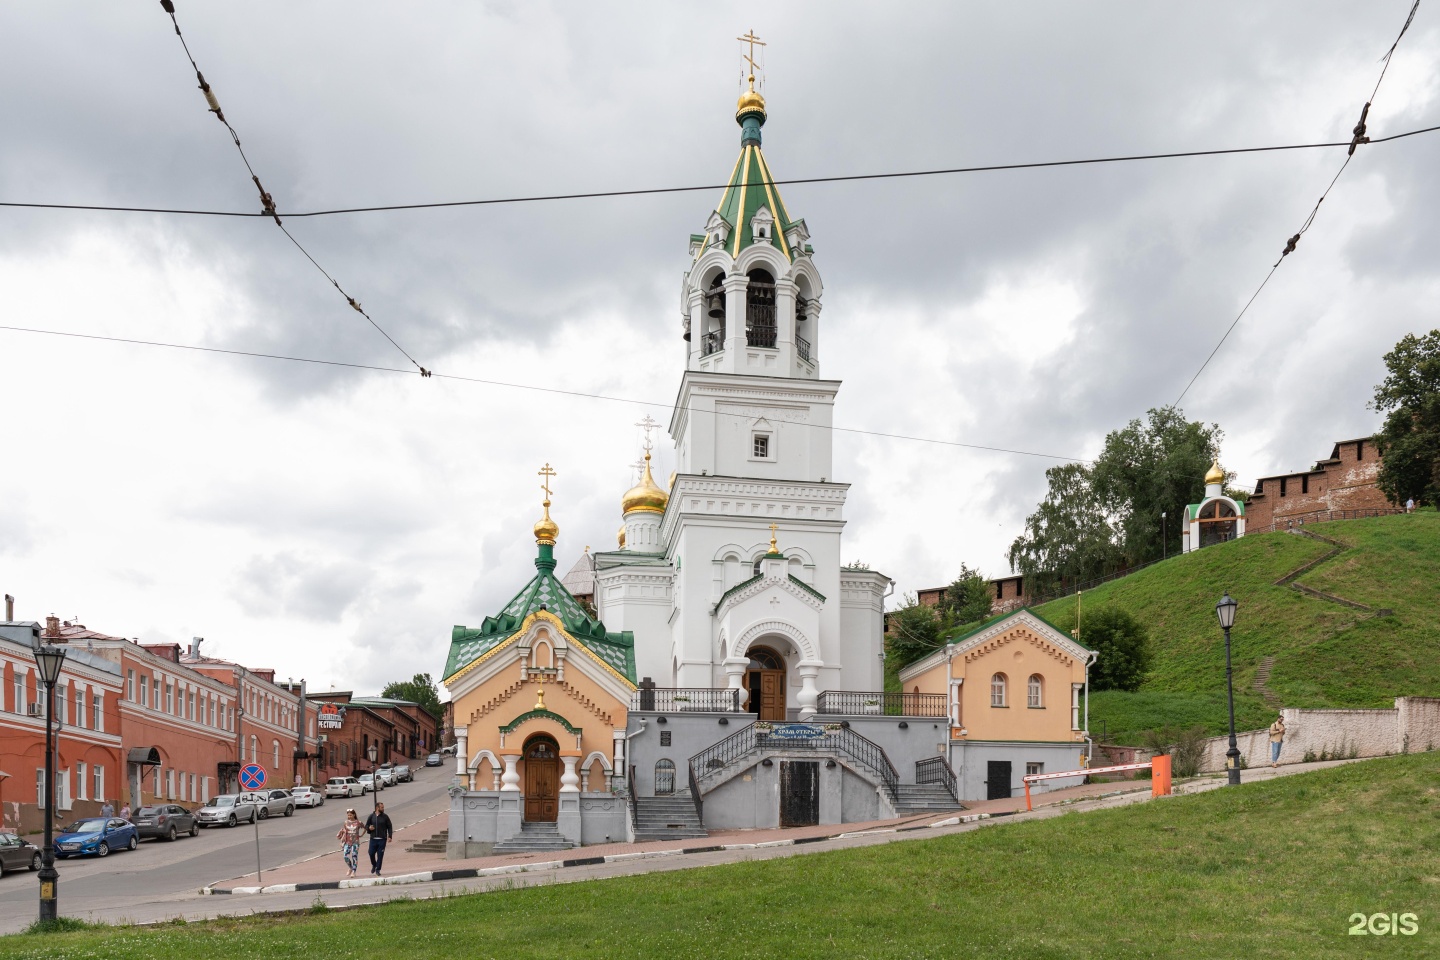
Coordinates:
(543, 592)
(750, 187)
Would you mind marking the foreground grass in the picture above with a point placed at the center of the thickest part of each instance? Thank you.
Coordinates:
(1268, 870)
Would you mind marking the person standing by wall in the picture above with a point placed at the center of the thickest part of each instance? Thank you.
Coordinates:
(349, 836)
(107, 810)
(381, 830)
(1277, 739)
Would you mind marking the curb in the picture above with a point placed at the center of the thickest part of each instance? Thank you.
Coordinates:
(432, 876)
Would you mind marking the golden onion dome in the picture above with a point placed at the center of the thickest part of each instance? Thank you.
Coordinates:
(750, 102)
(1216, 475)
(646, 496)
(546, 530)
(621, 536)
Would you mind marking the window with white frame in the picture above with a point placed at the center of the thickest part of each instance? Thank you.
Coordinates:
(170, 698)
(99, 774)
(190, 705)
(204, 789)
(62, 789)
(130, 685)
(156, 789)
(1035, 692)
(1034, 769)
(1074, 706)
(40, 788)
(144, 691)
(170, 784)
(98, 706)
(80, 716)
(20, 704)
(60, 701)
(760, 446)
(254, 749)
(276, 761)
(80, 783)
(997, 690)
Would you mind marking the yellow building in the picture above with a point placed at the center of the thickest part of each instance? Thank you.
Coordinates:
(541, 693)
(1016, 688)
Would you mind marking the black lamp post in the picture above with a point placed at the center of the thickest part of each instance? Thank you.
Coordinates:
(48, 661)
(1164, 540)
(1225, 610)
(373, 752)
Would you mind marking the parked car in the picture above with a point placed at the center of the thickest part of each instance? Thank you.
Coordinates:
(433, 760)
(307, 797)
(17, 854)
(369, 784)
(165, 821)
(225, 809)
(270, 801)
(403, 774)
(386, 773)
(97, 836)
(343, 787)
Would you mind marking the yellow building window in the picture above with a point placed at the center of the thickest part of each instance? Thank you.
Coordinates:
(997, 690)
(1035, 692)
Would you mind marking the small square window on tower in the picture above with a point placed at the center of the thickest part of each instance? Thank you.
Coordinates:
(762, 446)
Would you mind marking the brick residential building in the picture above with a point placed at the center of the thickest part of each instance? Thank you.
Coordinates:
(349, 728)
(1006, 594)
(270, 726)
(88, 767)
(1346, 481)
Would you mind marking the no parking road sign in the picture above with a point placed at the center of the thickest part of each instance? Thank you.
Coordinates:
(252, 776)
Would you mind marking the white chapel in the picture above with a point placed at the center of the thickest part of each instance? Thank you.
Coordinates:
(733, 577)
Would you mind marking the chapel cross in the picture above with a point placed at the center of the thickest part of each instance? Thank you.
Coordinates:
(647, 425)
(774, 546)
(752, 40)
(547, 472)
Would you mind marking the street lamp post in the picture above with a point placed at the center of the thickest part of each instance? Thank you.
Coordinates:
(1164, 541)
(373, 752)
(48, 661)
(1225, 610)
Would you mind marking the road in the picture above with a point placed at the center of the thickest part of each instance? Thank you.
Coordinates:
(158, 871)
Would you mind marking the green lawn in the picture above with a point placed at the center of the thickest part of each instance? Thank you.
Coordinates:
(1326, 655)
(1268, 870)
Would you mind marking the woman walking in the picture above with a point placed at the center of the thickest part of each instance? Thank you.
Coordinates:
(349, 836)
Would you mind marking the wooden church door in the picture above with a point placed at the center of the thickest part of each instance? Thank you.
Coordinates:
(542, 780)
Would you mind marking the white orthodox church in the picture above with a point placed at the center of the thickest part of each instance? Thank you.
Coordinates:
(733, 578)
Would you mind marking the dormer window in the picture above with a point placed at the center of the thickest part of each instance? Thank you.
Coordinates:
(718, 227)
(761, 226)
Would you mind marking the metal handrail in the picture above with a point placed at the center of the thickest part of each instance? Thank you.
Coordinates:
(634, 801)
(686, 699)
(856, 703)
(937, 770)
(695, 794)
(802, 346)
(712, 342)
(864, 751)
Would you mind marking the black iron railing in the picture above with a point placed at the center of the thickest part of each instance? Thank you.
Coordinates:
(802, 347)
(634, 806)
(695, 794)
(713, 760)
(712, 342)
(761, 332)
(686, 699)
(853, 703)
(936, 770)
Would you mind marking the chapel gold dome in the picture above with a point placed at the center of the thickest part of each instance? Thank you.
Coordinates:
(546, 530)
(1216, 475)
(645, 496)
(750, 102)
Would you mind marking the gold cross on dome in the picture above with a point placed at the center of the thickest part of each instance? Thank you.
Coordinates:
(647, 425)
(774, 547)
(752, 40)
(547, 472)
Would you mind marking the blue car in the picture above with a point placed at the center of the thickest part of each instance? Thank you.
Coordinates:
(97, 836)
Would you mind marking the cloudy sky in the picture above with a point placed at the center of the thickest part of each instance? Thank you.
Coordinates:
(333, 524)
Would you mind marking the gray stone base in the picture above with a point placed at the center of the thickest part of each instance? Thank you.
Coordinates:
(465, 849)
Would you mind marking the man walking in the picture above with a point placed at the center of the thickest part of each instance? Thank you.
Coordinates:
(380, 828)
(1277, 739)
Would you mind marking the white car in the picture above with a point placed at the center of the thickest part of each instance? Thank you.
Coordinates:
(343, 787)
(388, 776)
(369, 784)
(308, 797)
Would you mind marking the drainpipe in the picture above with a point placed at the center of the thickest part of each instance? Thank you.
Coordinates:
(1089, 743)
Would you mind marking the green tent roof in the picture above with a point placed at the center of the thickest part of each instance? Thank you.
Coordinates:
(543, 592)
(750, 187)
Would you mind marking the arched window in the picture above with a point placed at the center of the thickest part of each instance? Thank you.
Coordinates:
(275, 744)
(254, 749)
(713, 339)
(664, 777)
(997, 690)
(1035, 691)
(760, 309)
(755, 567)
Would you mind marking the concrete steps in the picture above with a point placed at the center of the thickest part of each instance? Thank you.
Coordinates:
(435, 844)
(535, 837)
(667, 818)
(923, 798)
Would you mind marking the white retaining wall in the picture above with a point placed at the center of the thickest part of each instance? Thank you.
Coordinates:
(1412, 726)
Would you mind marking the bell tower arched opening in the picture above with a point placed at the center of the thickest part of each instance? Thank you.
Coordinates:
(760, 327)
(713, 339)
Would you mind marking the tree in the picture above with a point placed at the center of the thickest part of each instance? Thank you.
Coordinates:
(914, 631)
(967, 599)
(1069, 537)
(1123, 644)
(421, 690)
(1409, 441)
(1150, 468)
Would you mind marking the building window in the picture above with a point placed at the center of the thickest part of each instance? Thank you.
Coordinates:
(144, 691)
(1305, 483)
(276, 765)
(761, 446)
(80, 709)
(254, 749)
(1359, 449)
(156, 789)
(664, 777)
(80, 783)
(99, 774)
(19, 701)
(98, 705)
(1034, 769)
(1035, 692)
(997, 690)
(1282, 486)
(170, 698)
(170, 784)
(1074, 706)
(60, 689)
(62, 789)
(130, 685)
(204, 789)
(190, 705)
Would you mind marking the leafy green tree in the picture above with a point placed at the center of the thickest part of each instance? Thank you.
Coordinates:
(967, 599)
(421, 689)
(1123, 644)
(1070, 537)
(1153, 467)
(914, 631)
(1409, 441)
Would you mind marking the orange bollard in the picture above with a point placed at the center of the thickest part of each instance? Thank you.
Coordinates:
(1027, 796)
(1160, 775)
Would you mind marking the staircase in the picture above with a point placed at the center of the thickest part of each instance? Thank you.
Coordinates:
(435, 844)
(913, 798)
(1262, 680)
(534, 837)
(670, 817)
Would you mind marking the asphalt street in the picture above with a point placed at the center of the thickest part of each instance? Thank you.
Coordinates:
(158, 871)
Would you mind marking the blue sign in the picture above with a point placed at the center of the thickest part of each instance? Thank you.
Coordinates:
(252, 776)
(796, 731)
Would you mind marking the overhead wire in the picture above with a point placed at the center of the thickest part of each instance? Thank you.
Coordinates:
(267, 202)
(1358, 138)
(655, 191)
(632, 401)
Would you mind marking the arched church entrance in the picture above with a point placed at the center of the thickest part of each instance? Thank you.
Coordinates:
(1217, 523)
(765, 679)
(542, 778)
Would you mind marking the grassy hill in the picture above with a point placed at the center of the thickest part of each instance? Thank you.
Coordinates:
(1325, 653)
(1270, 869)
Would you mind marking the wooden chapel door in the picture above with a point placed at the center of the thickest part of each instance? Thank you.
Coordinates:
(542, 780)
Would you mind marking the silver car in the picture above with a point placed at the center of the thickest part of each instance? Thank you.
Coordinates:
(267, 802)
(225, 810)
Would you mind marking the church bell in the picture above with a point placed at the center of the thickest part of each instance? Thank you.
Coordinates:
(715, 305)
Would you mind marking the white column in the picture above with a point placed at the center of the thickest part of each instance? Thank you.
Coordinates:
(462, 753)
(494, 777)
(809, 694)
(735, 342)
(735, 677)
(510, 779)
(569, 780)
(785, 324)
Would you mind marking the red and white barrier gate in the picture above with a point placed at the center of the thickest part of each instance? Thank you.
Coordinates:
(1159, 767)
